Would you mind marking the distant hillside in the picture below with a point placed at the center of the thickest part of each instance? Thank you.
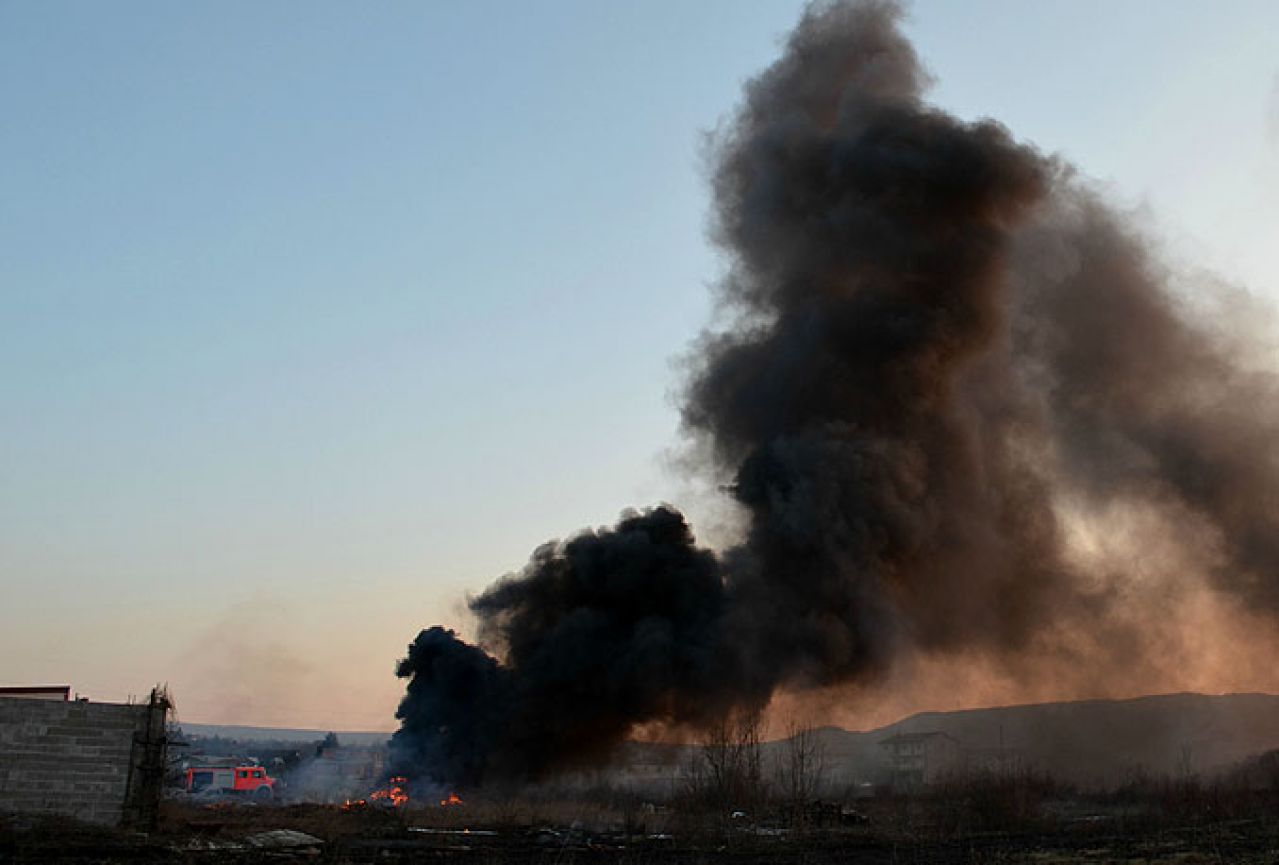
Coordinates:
(281, 734)
(1091, 741)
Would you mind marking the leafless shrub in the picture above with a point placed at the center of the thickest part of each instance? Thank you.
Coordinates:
(986, 801)
(800, 771)
(726, 771)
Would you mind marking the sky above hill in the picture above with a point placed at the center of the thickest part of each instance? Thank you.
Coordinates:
(315, 317)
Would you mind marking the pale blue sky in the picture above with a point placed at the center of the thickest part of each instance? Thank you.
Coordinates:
(314, 316)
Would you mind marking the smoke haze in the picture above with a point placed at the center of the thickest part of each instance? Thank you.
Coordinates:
(967, 423)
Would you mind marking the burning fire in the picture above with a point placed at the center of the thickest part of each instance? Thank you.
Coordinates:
(450, 800)
(393, 794)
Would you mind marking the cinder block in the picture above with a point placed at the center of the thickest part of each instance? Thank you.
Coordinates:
(68, 758)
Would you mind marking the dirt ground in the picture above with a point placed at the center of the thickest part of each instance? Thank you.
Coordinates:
(567, 833)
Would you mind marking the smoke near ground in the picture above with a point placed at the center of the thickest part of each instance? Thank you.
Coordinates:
(946, 375)
(609, 628)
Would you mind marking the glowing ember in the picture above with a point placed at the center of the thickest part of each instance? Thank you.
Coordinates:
(450, 800)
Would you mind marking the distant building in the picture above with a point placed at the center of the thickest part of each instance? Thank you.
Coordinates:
(918, 759)
(337, 773)
(994, 761)
(660, 779)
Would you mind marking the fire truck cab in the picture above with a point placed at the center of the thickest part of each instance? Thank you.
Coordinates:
(242, 780)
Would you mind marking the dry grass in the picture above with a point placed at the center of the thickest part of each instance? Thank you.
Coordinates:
(980, 821)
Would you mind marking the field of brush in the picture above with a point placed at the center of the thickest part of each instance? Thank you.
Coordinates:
(1181, 823)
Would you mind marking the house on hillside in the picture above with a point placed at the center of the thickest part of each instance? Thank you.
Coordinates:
(1000, 762)
(918, 759)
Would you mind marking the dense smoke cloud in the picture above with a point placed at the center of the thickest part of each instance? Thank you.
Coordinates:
(611, 627)
(938, 344)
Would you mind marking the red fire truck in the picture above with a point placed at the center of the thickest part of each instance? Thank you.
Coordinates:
(230, 780)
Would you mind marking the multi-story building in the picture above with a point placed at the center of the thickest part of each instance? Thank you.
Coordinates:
(918, 759)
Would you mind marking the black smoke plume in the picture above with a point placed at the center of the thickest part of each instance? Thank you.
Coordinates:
(936, 341)
(610, 627)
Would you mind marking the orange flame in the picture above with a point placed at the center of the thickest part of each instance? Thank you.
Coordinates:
(394, 793)
(450, 800)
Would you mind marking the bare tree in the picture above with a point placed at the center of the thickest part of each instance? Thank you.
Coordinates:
(729, 767)
(801, 767)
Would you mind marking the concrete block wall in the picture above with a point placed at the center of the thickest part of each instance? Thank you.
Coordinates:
(74, 759)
